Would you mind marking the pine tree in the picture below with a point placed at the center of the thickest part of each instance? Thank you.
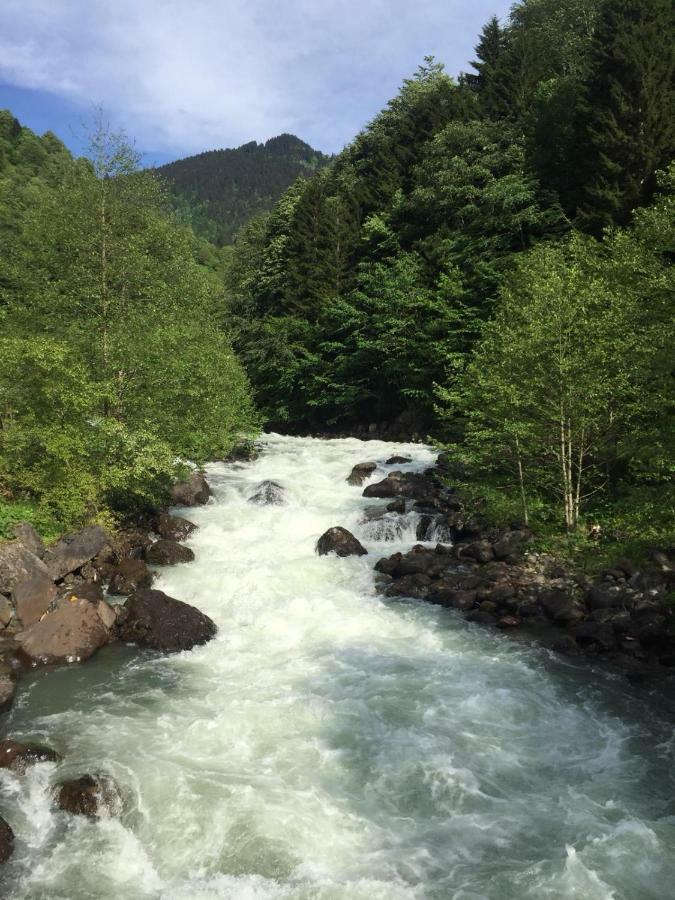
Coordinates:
(489, 51)
(628, 130)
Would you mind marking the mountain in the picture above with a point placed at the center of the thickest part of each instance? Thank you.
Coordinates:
(223, 189)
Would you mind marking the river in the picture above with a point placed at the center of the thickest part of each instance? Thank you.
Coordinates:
(331, 744)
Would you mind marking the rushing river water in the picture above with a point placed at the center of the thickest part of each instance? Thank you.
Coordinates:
(332, 744)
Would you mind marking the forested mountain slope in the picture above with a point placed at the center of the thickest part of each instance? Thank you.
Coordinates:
(222, 189)
(490, 261)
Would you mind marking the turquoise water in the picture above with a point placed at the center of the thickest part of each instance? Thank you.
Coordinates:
(333, 744)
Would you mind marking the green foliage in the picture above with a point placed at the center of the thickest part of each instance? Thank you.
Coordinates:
(113, 359)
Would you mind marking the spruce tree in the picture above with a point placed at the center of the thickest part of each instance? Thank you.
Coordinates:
(489, 51)
(628, 130)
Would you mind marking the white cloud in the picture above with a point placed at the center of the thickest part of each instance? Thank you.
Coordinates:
(188, 76)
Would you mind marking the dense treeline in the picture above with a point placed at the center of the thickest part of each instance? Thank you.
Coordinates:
(220, 190)
(472, 264)
(113, 360)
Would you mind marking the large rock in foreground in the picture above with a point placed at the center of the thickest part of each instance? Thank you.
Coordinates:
(32, 598)
(6, 841)
(195, 491)
(72, 632)
(155, 620)
(89, 795)
(18, 757)
(17, 563)
(361, 472)
(74, 550)
(340, 541)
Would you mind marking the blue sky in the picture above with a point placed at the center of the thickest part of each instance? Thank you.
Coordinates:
(181, 77)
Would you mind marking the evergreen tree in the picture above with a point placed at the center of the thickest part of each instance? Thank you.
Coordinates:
(628, 129)
(487, 83)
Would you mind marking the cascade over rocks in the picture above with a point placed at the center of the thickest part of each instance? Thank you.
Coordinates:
(18, 756)
(168, 553)
(194, 491)
(174, 528)
(89, 795)
(268, 493)
(361, 472)
(153, 619)
(341, 542)
(6, 841)
(71, 632)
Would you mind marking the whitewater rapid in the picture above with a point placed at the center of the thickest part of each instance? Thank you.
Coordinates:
(333, 744)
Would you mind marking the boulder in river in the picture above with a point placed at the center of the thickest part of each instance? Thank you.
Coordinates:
(18, 756)
(361, 472)
(268, 493)
(18, 564)
(89, 795)
(194, 491)
(168, 553)
(72, 551)
(341, 542)
(128, 576)
(7, 691)
(174, 528)
(32, 597)
(72, 632)
(6, 841)
(398, 460)
(411, 485)
(155, 620)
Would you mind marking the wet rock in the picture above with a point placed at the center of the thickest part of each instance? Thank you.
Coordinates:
(18, 756)
(443, 461)
(361, 472)
(424, 526)
(32, 598)
(74, 550)
(565, 645)
(89, 795)
(480, 617)
(168, 553)
(129, 576)
(410, 485)
(481, 551)
(397, 506)
(28, 537)
(7, 691)
(18, 564)
(561, 608)
(72, 632)
(6, 841)
(415, 586)
(153, 619)
(398, 460)
(268, 493)
(194, 491)
(340, 541)
(598, 634)
(508, 621)
(174, 528)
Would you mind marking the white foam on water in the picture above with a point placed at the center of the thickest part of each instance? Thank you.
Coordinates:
(333, 744)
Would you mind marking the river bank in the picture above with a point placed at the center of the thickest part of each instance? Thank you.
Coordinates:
(315, 688)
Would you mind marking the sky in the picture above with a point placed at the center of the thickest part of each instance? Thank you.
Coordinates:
(182, 77)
